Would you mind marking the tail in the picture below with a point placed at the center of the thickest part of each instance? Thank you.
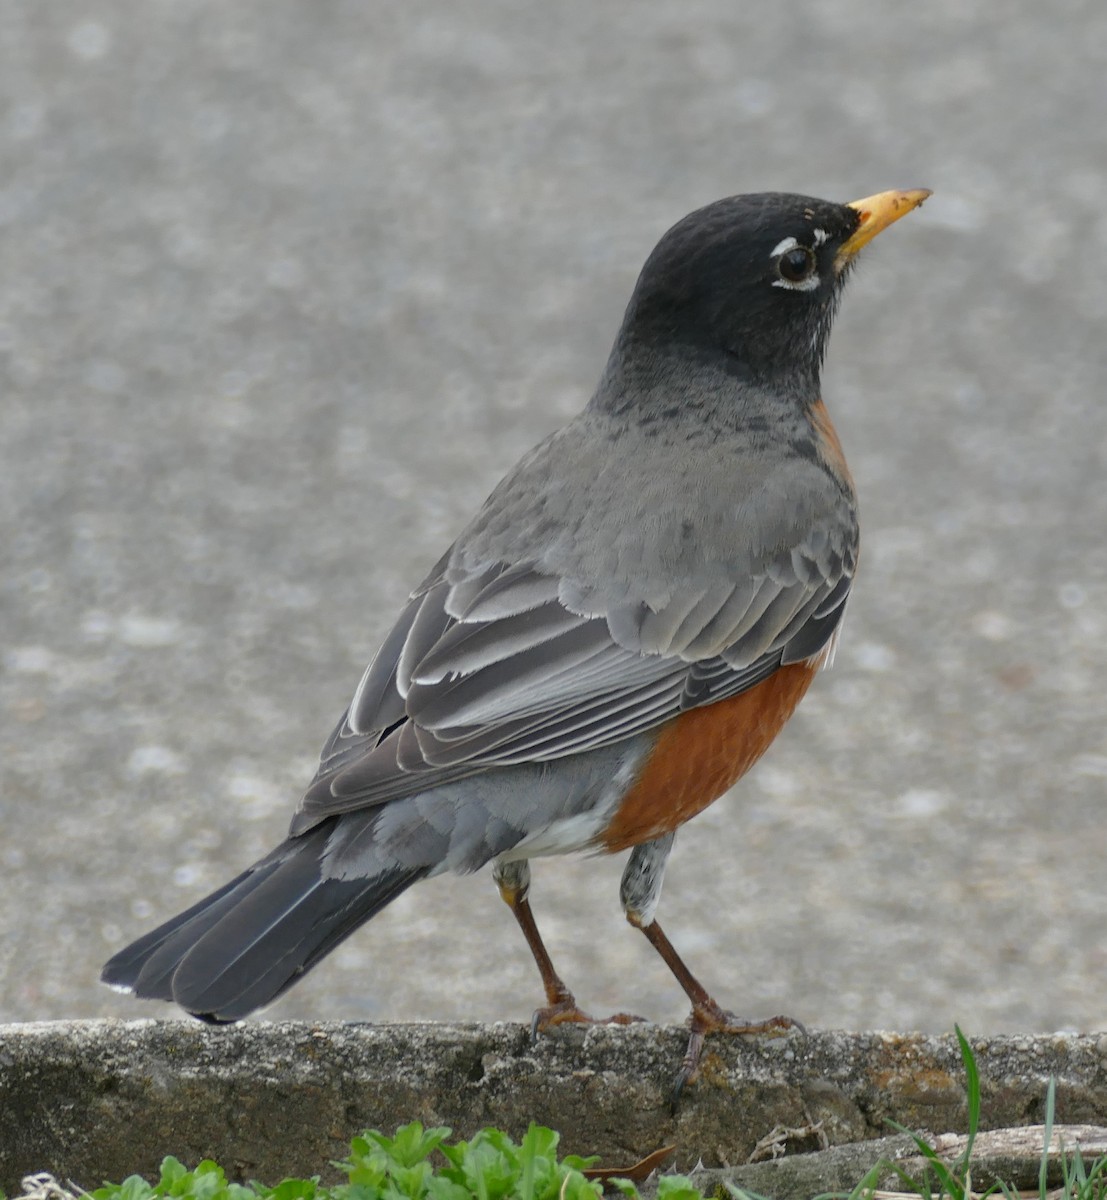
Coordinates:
(243, 945)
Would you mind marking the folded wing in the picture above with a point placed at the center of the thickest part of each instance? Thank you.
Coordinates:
(505, 665)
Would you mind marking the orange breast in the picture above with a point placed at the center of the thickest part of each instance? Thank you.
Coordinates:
(702, 753)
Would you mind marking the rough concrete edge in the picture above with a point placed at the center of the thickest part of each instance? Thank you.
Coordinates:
(89, 1100)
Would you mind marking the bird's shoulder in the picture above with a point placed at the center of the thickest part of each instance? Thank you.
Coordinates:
(621, 511)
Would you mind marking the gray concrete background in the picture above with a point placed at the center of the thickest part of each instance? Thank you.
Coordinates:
(287, 287)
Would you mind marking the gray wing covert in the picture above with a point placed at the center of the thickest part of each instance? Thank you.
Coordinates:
(508, 664)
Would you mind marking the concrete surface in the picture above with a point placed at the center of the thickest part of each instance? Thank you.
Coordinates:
(286, 287)
(94, 1100)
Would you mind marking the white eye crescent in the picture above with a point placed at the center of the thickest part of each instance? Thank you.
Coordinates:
(795, 265)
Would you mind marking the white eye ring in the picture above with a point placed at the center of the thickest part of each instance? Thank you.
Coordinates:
(805, 283)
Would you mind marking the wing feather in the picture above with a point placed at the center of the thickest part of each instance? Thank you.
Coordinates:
(515, 591)
(430, 623)
(508, 663)
(378, 702)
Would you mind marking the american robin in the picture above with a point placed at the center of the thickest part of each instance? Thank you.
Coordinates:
(611, 643)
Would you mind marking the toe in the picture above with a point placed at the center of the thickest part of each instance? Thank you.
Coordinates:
(565, 1012)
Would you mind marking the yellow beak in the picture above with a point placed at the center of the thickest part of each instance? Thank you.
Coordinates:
(877, 213)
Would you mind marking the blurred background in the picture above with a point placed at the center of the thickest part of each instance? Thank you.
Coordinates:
(286, 287)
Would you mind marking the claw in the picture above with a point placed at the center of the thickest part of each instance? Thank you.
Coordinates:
(688, 1068)
(566, 1011)
(707, 1017)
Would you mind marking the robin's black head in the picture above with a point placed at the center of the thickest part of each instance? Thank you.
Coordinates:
(754, 281)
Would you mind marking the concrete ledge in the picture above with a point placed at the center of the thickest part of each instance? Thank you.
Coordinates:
(89, 1100)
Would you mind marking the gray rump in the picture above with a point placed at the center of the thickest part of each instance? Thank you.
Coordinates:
(462, 825)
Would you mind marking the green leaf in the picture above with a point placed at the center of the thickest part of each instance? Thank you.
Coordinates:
(174, 1176)
(287, 1189)
(949, 1183)
(740, 1193)
(972, 1078)
(412, 1144)
(537, 1155)
(1047, 1136)
(209, 1182)
(360, 1191)
(677, 1187)
(134, 1187)
(579, 1163)
(410, 1182)
(441, 1188)
(491, 1166)
(576, 1187)
(865, 1189)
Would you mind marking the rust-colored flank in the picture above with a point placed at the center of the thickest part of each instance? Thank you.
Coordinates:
(702, 753)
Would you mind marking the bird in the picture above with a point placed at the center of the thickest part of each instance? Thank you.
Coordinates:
(613, 640)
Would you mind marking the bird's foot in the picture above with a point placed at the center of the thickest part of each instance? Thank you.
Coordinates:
(566, 1011)
(707, 1017)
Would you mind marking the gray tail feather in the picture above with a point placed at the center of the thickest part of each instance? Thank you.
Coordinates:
(246, 943)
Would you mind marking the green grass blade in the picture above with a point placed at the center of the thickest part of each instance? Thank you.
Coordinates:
(1047, 1138)
(972, 1087)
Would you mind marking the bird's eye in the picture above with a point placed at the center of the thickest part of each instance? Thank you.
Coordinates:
(797, 264)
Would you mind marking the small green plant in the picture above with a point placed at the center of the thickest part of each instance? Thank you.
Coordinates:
(951, 1180)
(489, 1167)
(206, 1182)
(944, 1181)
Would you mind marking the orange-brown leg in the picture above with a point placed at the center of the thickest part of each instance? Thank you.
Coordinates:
(707, 1016)
(641, 891)
(513, 880)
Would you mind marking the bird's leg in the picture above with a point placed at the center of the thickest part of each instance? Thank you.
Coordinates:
(707, 1016)
(641, 891)
(513, 880)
